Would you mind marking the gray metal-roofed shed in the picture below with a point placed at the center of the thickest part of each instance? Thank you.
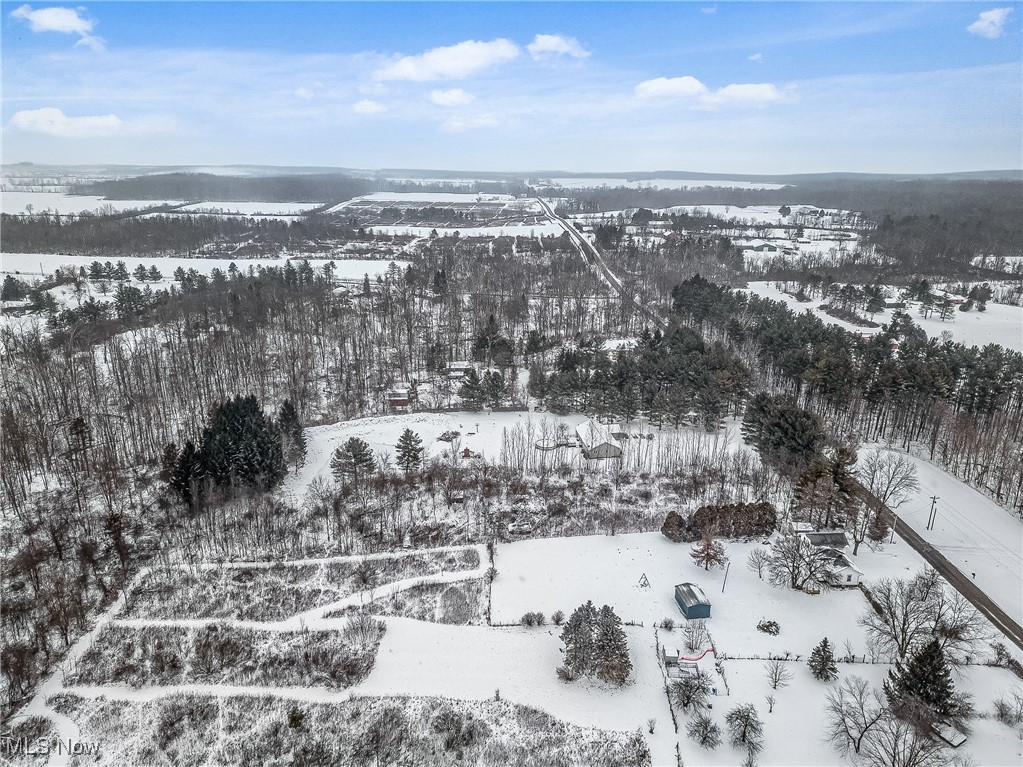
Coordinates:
(692, 601)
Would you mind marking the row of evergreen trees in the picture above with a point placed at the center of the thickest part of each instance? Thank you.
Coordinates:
(674, 377)
(240, 448)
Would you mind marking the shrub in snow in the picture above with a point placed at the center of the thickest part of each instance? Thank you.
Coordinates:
(1009, 710)
(668, 624)
(295, 717)
(704, 731)
(769, 627)
(557, 617)
(533, 619)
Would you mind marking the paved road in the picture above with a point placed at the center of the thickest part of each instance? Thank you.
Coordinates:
(960, 582)
(594, 257)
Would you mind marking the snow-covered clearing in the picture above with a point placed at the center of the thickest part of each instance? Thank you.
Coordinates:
(973, 532)
(489, 230)
(651, 183)
(56, 202)
(476, 661)
(1000, 324)
(251, 208)
(37, 264)
(426, 198)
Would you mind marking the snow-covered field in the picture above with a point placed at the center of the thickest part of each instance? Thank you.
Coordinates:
(660, 183)
(1000, 324)
(424, 198)
(251, 208)
(55, 202)
(496, 230)
(973, 532)
(37, 264)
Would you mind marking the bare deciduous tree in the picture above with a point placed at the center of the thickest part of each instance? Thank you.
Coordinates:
(798, 564)
(906, 613)
(757, 561)
(889, 476)
(778, 674)
(853, 709)
(895, 743)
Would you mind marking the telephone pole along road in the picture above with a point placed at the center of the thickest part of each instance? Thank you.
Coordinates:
(965, 586)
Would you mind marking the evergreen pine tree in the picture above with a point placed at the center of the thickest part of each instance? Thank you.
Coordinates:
(611, 648)
(184, 473)
(822, 661)
(409, 451)
(579, 641)
(925, 677)
(352, 459)
(292, 437)
(471, 391)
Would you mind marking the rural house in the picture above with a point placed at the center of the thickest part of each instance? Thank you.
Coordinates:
(596, 441)
(842, 572)
(692, 601)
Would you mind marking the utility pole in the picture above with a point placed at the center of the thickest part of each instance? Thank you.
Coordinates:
(727, 565)
(933, 516)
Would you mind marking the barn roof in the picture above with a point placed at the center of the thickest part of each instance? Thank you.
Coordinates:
(691, 594)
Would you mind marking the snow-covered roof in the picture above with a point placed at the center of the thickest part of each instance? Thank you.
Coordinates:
(832, 539)
(691, 594)
(592, 434)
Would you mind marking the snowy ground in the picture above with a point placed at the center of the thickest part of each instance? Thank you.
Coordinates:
(1000, 324)
(55, 202)
(660, 183)
(973, 532)
(495, 230)
(251, 208)
(37, 264)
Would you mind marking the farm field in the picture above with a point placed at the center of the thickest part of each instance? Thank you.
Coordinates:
(73, 204)
(37, 264)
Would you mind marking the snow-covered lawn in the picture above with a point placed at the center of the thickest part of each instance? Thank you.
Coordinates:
(562, 573)
(973, 532)
(1000, 324)
(475, 662)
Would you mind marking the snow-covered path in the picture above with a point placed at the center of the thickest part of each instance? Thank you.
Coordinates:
(973, 532)
(314, 620)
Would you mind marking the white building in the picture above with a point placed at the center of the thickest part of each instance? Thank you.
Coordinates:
(596, 440)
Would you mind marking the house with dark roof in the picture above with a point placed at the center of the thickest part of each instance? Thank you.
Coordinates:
(833, 539)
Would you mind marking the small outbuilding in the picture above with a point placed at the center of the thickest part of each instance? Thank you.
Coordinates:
(841, 571)
(597, 442)
(692, 601)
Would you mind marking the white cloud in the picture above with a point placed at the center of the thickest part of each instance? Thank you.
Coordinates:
(748, 94)
(699, 95)
(451, 62)
(459, 124)
(66, 20)
(53, 122)
(661, 88)
(453, 97)
(549, 46)
(758, 57)
(990, 24)
(303, 93)
(368, 107)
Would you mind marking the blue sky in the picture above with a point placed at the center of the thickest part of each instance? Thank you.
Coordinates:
(720, 87)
